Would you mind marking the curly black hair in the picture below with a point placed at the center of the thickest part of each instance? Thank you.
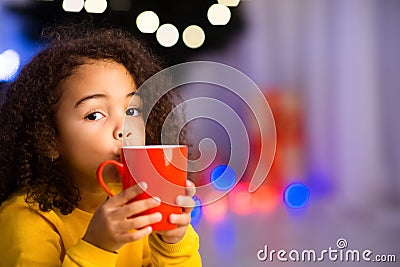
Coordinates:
(27, 118)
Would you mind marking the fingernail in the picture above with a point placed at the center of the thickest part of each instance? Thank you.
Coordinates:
(189, 183)
(158, 216)
(143, 185)
(172, 218)
(149, 229)
(179, 200)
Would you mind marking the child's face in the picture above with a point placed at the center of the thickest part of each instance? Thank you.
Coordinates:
(90, 118)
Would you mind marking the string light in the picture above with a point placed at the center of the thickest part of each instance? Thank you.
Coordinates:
(95, 6)
(167, 35)
(193, 36)
(218, 14)
(73, 5)
(147, 22)
(231, 3)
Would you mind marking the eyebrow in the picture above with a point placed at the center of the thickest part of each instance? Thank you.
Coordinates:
(86, 98)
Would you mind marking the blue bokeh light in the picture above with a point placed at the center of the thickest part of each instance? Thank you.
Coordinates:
(196, 212)
(9, 65)
(296, 195)
(223, 177)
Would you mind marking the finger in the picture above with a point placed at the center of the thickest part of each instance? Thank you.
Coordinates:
(125, 195)
(190, 188)
(139, 222)
(135, 207)
(136, 235)
(180, 219)
(186, 202)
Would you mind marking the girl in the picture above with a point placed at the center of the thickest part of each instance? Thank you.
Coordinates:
(61, 118)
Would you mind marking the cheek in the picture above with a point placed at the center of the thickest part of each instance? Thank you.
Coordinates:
(82, 157)
(77, 145)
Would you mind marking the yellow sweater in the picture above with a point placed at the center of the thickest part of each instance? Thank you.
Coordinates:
(30, 237)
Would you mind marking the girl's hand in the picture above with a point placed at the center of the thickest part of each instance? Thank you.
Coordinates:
(110, 227)
(182, 220)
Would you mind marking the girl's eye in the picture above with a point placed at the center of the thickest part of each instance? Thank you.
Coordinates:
(133, 112)
(94, 116)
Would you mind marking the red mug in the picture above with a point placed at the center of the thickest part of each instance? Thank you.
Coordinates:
(162, 167)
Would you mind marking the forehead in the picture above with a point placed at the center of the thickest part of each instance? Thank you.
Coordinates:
(98, 75)
(93, 67)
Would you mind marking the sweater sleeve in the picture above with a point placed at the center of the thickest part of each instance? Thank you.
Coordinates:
(183, 253)
(30, 239)
(27, 239)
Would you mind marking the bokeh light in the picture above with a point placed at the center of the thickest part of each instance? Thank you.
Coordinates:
(9, 64)
(147, 22)
(193, 36)
(296, 195)
(231, 3)
(73, 5)
(265, 199)
(223, 177)
(95, 6)
(167, 35)
(216, 211)
(196, 212)
(218, 14)
(240, 199)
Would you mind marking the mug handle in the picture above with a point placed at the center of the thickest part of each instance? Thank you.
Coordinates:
(120, 168)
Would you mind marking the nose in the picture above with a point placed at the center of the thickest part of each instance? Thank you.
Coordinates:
(118, 121)
(118, 134)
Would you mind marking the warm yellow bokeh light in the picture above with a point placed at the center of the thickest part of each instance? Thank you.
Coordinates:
(193, 36)
(219, 14)
(229, 2)
(167, 35)
(147, 22)
(73, 5)
(95, 6)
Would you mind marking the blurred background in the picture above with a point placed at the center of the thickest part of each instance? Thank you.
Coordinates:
(330, 73)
